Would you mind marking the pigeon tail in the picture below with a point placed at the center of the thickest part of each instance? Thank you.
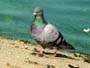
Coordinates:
(61, 43)
(65, 45)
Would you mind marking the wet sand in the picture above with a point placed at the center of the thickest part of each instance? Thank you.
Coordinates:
(18, 54)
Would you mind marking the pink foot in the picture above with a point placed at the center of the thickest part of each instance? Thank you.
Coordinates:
(39, 51)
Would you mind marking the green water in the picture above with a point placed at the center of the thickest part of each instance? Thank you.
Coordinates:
(69, 16)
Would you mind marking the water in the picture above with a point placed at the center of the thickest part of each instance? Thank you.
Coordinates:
(69, 16)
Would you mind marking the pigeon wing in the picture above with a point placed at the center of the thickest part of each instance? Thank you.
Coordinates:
(50, 33)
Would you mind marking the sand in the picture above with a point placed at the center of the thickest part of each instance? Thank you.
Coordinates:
(18, 54)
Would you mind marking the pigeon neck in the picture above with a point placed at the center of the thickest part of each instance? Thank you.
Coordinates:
(39, 22)
(39, 19)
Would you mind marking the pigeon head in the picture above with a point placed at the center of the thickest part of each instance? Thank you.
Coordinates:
(38, 11)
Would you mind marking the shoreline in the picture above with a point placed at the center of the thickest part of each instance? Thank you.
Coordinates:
(18, 54)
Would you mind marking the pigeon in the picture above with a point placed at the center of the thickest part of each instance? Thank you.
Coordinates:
(46, 34)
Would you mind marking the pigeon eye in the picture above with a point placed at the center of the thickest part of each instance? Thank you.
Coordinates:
(37, 12)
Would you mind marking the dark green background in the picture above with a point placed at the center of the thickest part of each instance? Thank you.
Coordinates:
(69, 16)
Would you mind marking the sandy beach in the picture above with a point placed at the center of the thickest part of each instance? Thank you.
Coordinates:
(18, 54)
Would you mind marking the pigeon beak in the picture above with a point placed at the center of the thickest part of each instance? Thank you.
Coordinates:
(34, 14)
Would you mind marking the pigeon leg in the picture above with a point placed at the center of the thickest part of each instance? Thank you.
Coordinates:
(39, 50)
(51, 52)
(55, 51)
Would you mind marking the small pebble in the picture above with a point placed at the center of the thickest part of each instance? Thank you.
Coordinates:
(71, 66)
(77, 54)
(26, 47)
(33, 53)
(16, 46)
(30, 62)
(8, 64)
(50, 66)
(87, 60)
